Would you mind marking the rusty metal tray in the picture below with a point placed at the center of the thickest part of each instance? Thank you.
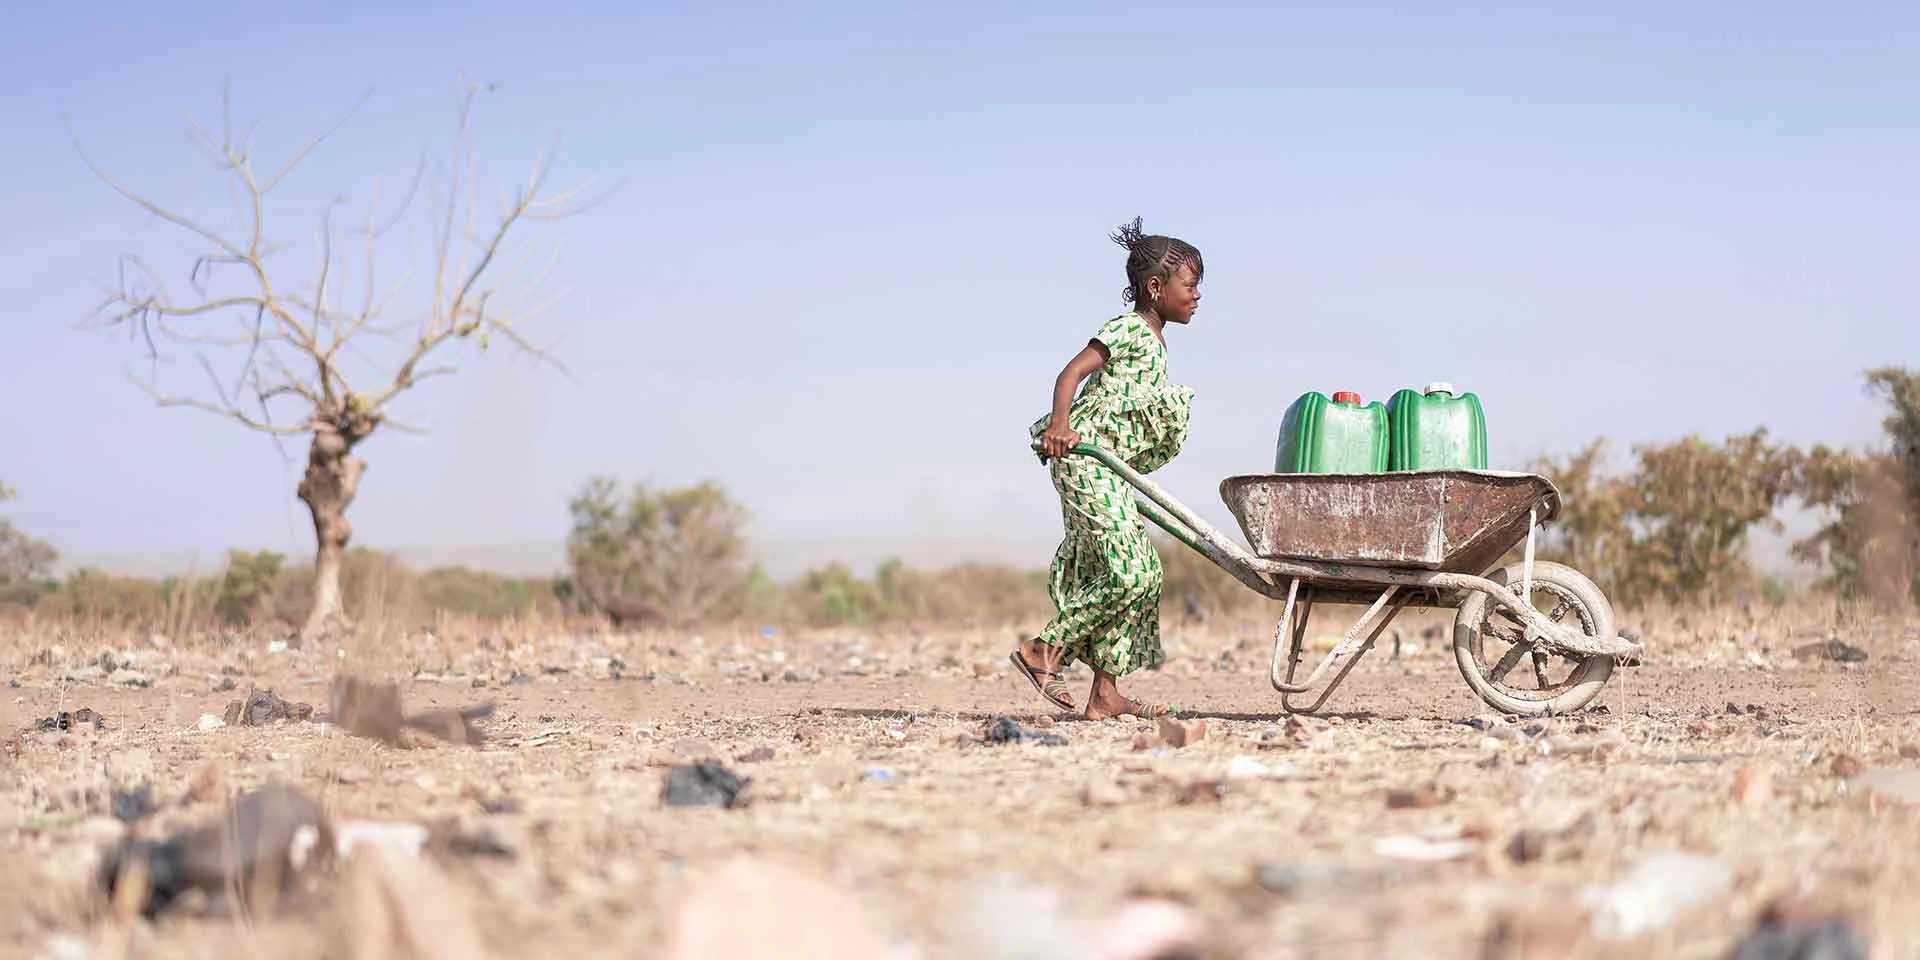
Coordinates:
(1452, 521)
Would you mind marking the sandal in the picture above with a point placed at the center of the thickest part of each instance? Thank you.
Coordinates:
(1055, 690)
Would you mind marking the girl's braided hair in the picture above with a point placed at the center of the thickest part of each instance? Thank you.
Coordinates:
(1152, 255)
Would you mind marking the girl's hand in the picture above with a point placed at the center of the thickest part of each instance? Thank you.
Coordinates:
(1058, 439)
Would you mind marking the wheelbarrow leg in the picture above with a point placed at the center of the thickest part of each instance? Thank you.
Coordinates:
(1358, 640)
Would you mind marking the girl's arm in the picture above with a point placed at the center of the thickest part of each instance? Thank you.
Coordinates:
(1059, 437)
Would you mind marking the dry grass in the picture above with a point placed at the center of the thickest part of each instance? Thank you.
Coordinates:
(577, 758)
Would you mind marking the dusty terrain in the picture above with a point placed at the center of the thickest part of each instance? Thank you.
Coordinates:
(1406, 822)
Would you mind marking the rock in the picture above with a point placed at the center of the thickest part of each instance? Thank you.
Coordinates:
(701, 784)
(1846, 767)
(209, 722)
(1179, 733)
(797, 915)
(397, 907)
(1753, 786)
(130, 678)
(261, 707)
(759, 754)
(1910, 751)
(1653, 893)
(1902, 786)
(982, 671)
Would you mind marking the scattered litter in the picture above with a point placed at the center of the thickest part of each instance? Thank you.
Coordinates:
(396, 837)
(246, 849)
(1404, 847)
(701, 784)
(1008, 730)
(133, 803)
(210, 722)
(879, 774)
(68, 721)
(1653, 893)
(261, 707)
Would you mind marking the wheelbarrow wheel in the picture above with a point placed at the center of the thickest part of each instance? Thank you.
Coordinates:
(1506, 671)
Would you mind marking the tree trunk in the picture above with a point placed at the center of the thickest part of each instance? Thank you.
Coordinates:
(332, 479)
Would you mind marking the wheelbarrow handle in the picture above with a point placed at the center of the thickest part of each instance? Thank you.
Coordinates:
(1082, 448)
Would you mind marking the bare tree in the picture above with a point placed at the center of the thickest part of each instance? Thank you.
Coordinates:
(282, 350)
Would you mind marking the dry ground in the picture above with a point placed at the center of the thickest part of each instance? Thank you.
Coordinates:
(1723, 744)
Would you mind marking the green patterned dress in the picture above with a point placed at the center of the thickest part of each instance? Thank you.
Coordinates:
(1106, 576)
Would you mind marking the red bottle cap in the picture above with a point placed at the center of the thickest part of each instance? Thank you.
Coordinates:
(1346, 396)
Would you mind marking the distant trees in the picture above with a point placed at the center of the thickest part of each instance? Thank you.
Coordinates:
(1675, 525)
(1871, 546)
(24, 561)
(678, 553)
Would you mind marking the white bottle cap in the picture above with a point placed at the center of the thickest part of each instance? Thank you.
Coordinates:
(1440, 386)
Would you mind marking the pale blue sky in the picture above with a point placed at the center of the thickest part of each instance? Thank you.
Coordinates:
(854, 243)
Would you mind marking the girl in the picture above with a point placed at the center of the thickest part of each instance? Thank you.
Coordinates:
(1105, 577)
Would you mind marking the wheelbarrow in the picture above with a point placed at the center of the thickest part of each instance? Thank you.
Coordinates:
(1416, 538)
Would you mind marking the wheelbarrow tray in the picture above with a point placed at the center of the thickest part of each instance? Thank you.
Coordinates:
(1449, 521)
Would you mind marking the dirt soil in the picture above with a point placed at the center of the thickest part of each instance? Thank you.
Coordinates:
(1408, 822)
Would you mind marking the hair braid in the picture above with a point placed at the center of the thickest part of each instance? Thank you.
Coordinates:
(1150, 256)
